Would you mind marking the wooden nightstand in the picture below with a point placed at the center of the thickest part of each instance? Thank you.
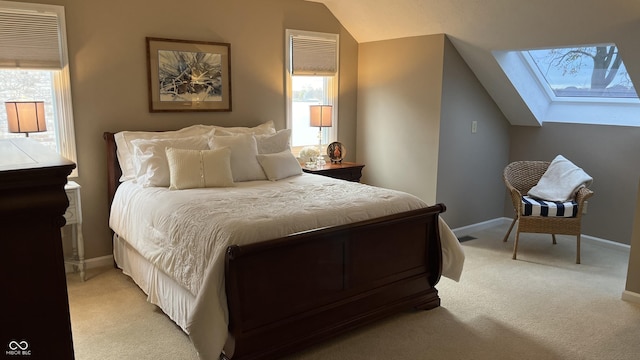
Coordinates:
(74, 219)
(346, 171)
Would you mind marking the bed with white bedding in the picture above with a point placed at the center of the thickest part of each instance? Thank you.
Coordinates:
(263, 268)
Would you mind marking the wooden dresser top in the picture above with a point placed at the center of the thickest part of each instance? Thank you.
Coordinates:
(24, 153)
(27, 164)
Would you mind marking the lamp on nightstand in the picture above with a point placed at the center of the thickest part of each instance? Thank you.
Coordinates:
(25, 116)
(320, 116)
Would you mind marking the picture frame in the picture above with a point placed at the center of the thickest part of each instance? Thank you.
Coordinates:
(187, 75)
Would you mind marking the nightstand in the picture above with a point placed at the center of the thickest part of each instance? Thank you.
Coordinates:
(74, 219)
(346, 171)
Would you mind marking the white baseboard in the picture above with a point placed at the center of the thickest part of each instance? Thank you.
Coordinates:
(504, 221)
(470, 229)
(92, 263)
(606, 243)
(631, 297)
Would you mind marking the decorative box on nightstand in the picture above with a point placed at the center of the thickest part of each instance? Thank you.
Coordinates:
(74, 219)
(346, 171)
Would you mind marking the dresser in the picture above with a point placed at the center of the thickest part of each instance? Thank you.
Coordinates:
(35, 320)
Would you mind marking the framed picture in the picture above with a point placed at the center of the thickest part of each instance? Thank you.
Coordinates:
(188, 75)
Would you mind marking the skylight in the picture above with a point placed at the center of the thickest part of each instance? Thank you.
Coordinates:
(592, 71)
(586, 84)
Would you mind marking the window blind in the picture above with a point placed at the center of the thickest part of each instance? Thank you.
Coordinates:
(314, 55)
(29, 40)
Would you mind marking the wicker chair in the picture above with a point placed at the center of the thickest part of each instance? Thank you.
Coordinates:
(520, 177)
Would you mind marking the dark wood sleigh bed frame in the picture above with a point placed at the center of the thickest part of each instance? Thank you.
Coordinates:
(286, 294)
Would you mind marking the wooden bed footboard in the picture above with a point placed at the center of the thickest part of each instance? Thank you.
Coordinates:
(286, 294)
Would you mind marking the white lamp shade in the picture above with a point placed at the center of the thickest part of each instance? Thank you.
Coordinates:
(26, 117)
(320, 115)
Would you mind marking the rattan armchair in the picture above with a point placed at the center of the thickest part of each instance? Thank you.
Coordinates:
(520, 177)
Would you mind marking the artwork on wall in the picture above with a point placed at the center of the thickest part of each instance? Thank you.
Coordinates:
(188, 75)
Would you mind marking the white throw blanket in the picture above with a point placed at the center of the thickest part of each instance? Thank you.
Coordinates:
(561, 181)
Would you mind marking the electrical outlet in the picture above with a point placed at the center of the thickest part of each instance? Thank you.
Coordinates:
(584, 207)
(474, 127)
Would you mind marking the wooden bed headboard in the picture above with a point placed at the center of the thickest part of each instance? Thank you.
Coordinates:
(114, 172)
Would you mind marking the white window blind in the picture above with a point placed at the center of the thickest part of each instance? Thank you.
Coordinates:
(29, 39)
(33, 40)
(314, 54)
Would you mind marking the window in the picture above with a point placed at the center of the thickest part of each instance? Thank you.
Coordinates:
(312, 79)
(591, 71)
(34, 67)
(585, 84)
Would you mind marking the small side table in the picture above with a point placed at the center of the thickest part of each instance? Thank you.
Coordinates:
(346, 171)
(74, 218)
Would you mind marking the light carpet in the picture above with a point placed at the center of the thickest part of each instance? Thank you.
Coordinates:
(541, 306)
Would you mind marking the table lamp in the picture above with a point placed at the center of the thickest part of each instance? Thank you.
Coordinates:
(25, 116)
(320, 116)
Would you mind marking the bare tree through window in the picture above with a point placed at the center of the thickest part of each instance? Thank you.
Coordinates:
(591, 71)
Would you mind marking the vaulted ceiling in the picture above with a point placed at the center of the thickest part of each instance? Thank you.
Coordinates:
(477, 27)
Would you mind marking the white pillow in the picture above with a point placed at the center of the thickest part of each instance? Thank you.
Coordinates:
(124, 146)
(150, 159)
(274, 143)
(244, 164)
(266, 128)
(279, 165)
(199, 168)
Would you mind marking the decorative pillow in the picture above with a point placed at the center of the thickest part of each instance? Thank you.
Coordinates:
(123, 141)
(150, 159)
(199, 168)
(244, 164)
(274, 143)
(279, 165)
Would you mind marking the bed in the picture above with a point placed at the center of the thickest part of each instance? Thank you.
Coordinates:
(252, 285)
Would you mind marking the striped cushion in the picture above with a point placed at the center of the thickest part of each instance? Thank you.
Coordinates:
(536, 207)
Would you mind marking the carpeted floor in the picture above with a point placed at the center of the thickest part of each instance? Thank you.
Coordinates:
(542, 306)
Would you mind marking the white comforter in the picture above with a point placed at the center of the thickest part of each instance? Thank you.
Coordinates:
(185, 233)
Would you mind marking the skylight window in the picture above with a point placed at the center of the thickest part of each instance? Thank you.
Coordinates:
(591, 71)
(586, 84)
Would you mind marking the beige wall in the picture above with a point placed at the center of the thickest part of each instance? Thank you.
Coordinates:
(414, 127)
(399, 93)
(470, 164)
(608, 153)
(106, 41)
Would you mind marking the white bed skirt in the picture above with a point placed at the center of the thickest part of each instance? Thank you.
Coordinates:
(161, 290)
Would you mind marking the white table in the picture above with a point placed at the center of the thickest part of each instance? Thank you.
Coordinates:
(74, 219)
